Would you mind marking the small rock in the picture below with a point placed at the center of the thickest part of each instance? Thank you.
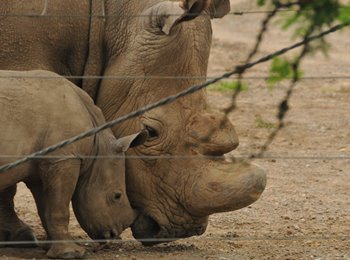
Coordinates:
(297, 227)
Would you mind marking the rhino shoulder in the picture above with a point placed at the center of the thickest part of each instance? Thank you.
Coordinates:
(93, 110)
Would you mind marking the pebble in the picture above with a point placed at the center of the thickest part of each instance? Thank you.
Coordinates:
(297, 227)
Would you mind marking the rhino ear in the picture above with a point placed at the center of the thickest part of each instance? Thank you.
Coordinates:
(168, 14)
(126, 142)
(219, 8)
(194, 8)
(216, 8)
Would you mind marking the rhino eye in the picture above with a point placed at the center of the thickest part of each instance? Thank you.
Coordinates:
(117, 195)
(152, 133)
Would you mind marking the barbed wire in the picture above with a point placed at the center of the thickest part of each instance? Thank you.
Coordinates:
(170, 99)
(284, 104)
(253, 52)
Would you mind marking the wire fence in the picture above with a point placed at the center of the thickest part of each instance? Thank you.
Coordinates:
(167, 240)
(170, 99)
(151, 77)
(43, 154)
(187, 157)
(44, 15)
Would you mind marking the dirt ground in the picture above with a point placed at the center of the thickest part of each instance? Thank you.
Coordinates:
(304, 212)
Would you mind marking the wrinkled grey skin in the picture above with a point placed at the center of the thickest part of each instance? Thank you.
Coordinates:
(173, 197)
(33, 118)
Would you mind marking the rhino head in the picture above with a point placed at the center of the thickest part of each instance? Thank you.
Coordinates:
(170, 182)
(100, 201)
(175, 186)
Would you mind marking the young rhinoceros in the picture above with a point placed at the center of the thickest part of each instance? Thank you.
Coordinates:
(37, 112)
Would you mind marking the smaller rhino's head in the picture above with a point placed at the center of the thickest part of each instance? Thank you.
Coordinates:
(100, 203)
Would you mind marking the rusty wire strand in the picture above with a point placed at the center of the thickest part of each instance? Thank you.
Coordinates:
(240, 77)
(284, 104)
(255, 49)
(170, 99)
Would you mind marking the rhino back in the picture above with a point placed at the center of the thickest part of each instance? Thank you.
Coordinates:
(33, 118)
(57, 42)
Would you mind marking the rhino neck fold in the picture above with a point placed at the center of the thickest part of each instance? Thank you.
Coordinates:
(95, 57)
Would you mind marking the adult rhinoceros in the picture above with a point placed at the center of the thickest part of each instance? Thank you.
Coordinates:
(148, 41)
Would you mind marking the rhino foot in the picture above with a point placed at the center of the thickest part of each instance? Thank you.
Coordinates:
(25, 238)
(66, 251)
(26, 235)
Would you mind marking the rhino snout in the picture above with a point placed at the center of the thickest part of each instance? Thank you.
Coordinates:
(106, 235)
(145, 229)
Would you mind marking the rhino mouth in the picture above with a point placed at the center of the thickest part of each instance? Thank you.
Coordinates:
(147, 231)
(104, 236)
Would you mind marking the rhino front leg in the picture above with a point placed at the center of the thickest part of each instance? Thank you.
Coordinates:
(12, 229)
(59, 185)
(36, 189)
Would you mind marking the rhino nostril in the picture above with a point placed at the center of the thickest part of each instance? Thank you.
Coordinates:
(145, 229)
(117, 195)
(115, 234)
(107, 235)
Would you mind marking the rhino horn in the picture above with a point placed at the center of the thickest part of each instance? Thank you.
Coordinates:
(212, 134)
(226, 187)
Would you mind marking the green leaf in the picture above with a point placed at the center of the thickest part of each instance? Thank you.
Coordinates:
(344, 14)
(281, 69)
(261, 2)
(262, 123)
